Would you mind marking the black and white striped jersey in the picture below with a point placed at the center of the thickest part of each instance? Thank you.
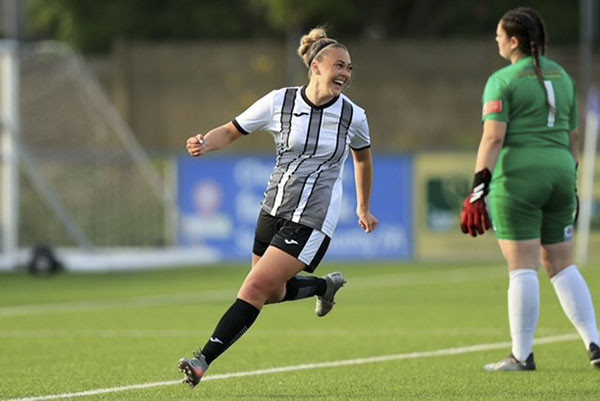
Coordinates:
(312, 144)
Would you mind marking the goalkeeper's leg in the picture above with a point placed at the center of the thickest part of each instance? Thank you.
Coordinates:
(523, 293)
(573, 294)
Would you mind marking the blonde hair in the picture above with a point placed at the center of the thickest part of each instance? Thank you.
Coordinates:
(313, 42)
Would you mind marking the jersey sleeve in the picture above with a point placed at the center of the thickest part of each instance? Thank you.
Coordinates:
(359, 134)
(495, 100)
(257, 117)
(574, 113)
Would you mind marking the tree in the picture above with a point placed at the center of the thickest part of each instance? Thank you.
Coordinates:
(92, 25)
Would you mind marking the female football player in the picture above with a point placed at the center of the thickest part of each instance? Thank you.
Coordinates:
(527, 162)
(315, 127)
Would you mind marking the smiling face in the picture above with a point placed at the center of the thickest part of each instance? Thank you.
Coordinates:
(332, 70)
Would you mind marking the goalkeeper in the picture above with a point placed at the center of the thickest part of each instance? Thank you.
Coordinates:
(527, 162)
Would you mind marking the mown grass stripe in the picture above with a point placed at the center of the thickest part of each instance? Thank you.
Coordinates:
(310, 366)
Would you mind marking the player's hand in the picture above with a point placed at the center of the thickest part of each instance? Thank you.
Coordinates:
(196, 145)
(474, 219)
(367, 221)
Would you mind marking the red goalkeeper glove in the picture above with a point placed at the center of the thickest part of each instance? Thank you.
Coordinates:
(474, 217)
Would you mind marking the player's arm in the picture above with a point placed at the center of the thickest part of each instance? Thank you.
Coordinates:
(215, 139)
(575, 144)
(575, 151)
(474, 217)
(363, 175)
(490, 145)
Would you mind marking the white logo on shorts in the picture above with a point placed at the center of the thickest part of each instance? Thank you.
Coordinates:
(291, 241)
(569, 232)
(215, 340)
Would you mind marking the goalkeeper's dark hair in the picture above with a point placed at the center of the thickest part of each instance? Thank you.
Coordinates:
(527, 25)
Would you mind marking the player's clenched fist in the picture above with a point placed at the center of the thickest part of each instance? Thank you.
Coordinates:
(195, 145)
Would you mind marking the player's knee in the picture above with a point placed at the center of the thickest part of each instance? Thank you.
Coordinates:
(553, 265)
(546, 260)
(276, 296)
(256, 289)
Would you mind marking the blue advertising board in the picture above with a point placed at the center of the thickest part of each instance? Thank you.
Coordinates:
(219, 199)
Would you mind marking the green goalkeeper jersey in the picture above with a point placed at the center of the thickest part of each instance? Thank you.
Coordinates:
(532, 193)
(515, 95)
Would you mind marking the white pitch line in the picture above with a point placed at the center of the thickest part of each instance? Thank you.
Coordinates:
(308, 366)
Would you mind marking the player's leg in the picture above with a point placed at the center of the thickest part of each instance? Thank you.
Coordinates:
(523, 300)
(278, 293)
(557, 258)
(269, 273)
(309, 246)
(303, 286)
(267, 228)
(573, 294)
(517, 219)
(298, 287)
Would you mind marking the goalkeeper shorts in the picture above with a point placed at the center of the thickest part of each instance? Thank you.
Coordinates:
(536, 202)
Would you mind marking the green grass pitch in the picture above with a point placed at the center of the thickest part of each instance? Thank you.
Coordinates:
(75, 333)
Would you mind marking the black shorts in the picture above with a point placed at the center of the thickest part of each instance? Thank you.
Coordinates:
(306, 244)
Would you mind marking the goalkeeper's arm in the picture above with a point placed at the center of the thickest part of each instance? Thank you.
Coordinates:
(491, 143)
(474, 218)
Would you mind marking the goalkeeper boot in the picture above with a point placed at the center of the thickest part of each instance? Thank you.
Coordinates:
(511, 364)
(325, 302)
(594, 353)
(193, 369)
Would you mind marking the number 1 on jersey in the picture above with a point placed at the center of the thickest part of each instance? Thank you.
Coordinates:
(551, 102)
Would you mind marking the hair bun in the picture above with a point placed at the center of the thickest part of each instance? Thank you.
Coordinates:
(308, 40)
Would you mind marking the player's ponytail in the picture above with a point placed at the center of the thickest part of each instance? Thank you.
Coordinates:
(527, 25)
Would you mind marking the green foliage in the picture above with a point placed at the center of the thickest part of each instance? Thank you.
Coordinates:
(92, 26)
(341, 15)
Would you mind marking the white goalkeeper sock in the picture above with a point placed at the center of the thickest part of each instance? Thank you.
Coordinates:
(576, 301)
(523, 310)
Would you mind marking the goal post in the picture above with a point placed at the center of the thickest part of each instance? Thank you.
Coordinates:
(588, 166)
(74, 177)
(9, 129)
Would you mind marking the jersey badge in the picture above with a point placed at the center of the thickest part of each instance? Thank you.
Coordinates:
(493, 106)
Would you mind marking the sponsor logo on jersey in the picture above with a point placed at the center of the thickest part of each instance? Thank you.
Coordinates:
(493, 106)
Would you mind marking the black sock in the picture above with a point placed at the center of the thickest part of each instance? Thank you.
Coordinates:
(234, 323)
(300, 287)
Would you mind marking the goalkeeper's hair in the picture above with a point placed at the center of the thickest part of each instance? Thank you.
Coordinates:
(527, 25)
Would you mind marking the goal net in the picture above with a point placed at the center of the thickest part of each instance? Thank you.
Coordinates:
(85, 186)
